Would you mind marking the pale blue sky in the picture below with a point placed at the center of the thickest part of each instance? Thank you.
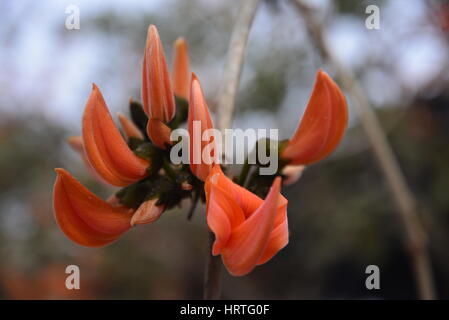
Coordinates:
(56, 73)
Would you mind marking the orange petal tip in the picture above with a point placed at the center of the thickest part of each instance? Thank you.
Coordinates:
(157, 93)
(292, 174)
(159, 133)
(322, 126)
(181, 69)
(147, 212)
(129, 128)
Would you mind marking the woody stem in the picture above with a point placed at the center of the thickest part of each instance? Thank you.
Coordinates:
(225, 110)
(196, 197)
(212, 282)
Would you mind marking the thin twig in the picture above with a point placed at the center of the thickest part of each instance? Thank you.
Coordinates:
(225, 110)
(244, 173)
(415, 236)
(195, 200)
(212, 281)
(234, 63)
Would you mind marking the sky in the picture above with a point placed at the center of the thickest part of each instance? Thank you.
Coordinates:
(52, 67)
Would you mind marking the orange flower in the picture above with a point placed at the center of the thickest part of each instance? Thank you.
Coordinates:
(82, 216)
(88, 220)
(248, 231)
(105, 148)
(322, 126)
(181, 69)
(157, 93)
(198, 121)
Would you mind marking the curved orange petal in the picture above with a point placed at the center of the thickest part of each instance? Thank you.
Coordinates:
(147, 212)
(181, 69)
(223, 215)
(223, 210)
(77, 144)
(129, 128)
(247, 201)
(199, 120)
(340, 115)
(279, 235)
(159, 133)
(322, 126)
(249, 241)
(105, 148)
(157, 93)
(85, 218)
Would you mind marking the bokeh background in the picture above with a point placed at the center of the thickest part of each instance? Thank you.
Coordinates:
(341, 215)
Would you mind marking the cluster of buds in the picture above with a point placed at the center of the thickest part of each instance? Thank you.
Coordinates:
(249, 220)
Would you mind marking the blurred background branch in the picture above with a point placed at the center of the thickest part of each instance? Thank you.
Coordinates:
(415, 235)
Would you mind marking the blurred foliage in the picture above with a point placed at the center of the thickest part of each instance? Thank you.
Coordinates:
(269, 80)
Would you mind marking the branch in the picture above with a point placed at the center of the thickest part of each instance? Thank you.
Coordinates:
(225, 109)
(234, 63)
(415, 235)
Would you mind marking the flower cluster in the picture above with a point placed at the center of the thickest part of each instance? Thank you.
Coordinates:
(248, 218)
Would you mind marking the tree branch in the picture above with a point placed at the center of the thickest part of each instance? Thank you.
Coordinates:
(225, 110)
(415, 237)
(234, 63)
